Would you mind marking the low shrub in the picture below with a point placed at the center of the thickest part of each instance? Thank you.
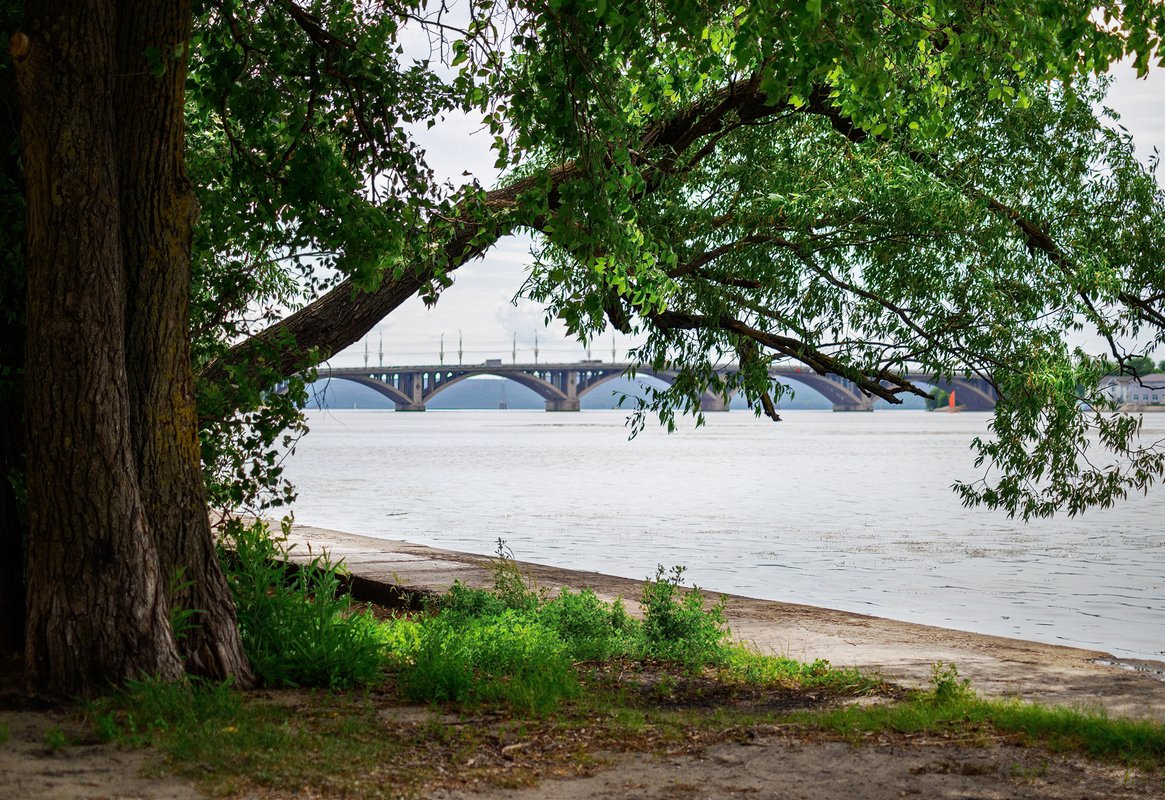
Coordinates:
(676, 625)
(592, 629)
(298, 628)
(462, 600)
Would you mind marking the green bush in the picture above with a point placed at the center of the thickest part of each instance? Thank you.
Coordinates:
(677, 627)
(507, 658)
(510, 585)
(948, 688)
(297, 628)
(591, 629)
(469, 602)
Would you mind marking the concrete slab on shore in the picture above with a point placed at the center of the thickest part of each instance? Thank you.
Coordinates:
(900, 651)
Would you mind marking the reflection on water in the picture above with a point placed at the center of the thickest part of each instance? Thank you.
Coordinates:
(848, 511)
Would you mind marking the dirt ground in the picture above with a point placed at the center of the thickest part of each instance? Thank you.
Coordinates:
(84, 768)
(780, 768)
(772, 766)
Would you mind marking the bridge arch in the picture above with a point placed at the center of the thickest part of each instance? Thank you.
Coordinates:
(841, 393)
(545, 389)
(972, 394)
(708, 402)
(381, 387)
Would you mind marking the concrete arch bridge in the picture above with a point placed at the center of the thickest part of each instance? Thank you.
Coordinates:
(410, 388)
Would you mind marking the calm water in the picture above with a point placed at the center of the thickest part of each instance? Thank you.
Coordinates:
(848, 511)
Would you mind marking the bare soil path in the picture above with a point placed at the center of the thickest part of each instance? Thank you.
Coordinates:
(786, 769)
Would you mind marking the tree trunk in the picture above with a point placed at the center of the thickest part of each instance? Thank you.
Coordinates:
(117, 513)
(158, 211)
(11, 523)
(12, 293)
(97, 609)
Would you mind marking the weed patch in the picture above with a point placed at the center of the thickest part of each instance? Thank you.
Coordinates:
(676, 625)
(298, 628)
(507, 658)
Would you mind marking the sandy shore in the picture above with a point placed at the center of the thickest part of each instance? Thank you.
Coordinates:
(900, 651)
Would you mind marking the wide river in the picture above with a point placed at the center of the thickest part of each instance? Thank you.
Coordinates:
(846, 511)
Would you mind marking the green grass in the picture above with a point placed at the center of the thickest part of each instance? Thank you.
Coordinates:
(951, 708)
(507, 658)
(743, 665)
(567, 677)
(298, 628)
(363, 743)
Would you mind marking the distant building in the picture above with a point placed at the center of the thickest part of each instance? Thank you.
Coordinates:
(1130, 392)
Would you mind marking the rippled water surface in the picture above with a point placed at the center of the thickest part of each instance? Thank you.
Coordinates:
(848, 511)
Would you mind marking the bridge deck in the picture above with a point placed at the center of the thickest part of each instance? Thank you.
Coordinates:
(562, 385)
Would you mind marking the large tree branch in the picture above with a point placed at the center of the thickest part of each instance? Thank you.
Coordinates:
(820, 362)
(343, 315)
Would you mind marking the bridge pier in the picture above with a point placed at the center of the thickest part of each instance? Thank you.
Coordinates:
(566, 381)
(412, 384)
(712, 402)
(866, 404)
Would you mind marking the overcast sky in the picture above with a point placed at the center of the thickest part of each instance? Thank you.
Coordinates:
(480, 309)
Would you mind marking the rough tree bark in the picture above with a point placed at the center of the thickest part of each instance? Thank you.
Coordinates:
(12, 215)
(158, 209)
(11, 525)
(114, 485)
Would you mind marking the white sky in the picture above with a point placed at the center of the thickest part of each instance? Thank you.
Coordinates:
(479, 308)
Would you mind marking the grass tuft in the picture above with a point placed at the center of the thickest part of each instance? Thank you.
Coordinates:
(507, 658)
(298, 628)
(951, 706)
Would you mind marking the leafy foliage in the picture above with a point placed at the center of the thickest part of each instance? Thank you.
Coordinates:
(593, 630)
(677, 627)
(297, 628)
(862, 189)
(515, 646)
